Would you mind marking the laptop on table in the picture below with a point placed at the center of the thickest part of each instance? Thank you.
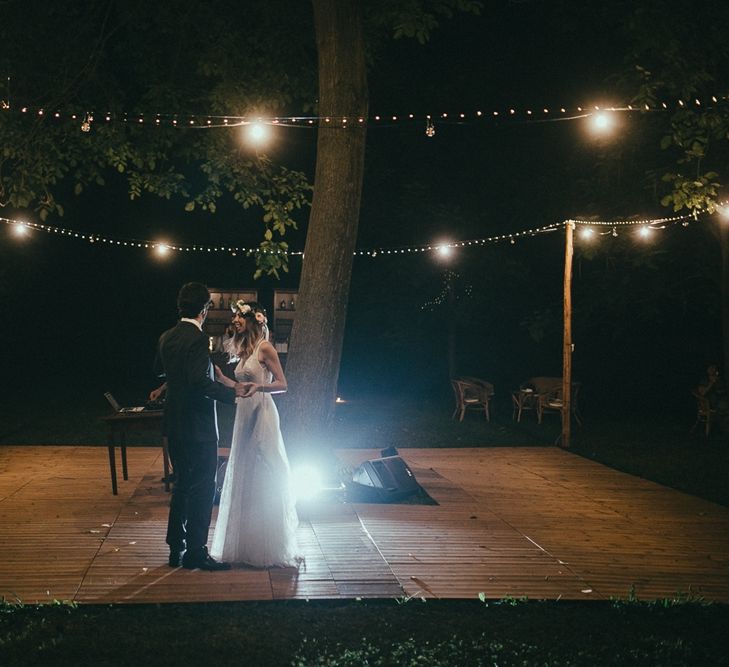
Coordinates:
(118, 408)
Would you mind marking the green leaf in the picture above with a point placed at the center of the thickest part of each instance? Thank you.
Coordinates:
(190, 206)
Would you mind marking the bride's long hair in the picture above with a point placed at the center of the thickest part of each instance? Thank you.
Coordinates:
(251, 336)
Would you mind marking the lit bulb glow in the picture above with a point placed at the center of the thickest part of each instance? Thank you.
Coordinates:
(602, 122)
(20, 229)
(444, 250)
(162, 249)
(587, 232)
(645, 232)
(257, 133)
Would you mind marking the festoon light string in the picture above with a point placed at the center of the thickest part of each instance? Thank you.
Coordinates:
(534, 113)
(588, 227)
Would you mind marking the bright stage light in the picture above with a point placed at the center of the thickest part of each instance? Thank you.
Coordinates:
(444, 250)
(161, 249)
(21, 229)
(305, 482)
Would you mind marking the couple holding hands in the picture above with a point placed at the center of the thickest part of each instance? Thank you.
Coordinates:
(257, 518)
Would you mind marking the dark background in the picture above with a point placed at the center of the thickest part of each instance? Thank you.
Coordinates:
(84, 318)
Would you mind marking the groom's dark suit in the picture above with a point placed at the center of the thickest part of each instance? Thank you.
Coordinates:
(192, 433)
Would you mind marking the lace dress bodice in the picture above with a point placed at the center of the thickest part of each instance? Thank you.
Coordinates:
(252, 370)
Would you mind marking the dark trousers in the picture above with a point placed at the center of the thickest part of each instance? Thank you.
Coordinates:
(191, 505)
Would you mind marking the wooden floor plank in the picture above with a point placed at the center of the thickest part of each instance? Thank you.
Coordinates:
(535, 522)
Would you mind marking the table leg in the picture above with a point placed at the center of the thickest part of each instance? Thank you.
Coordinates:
(125, 472)
(112, 463)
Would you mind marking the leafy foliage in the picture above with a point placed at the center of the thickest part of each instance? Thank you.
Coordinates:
(417, 18)
(675, 56)
(136, 56)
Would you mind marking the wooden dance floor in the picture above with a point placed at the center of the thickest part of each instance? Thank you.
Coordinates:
(536, 522)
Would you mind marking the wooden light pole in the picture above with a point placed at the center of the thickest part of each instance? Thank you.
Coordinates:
(567, 337)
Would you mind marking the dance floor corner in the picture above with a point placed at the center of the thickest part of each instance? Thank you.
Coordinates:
(536, 522)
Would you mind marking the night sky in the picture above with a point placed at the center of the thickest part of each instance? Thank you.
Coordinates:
(86, 317)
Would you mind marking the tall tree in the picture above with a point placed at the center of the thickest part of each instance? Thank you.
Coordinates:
(316, 343)
(318, 334)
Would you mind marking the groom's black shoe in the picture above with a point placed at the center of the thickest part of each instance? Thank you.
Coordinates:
(202, 560)
(175, 559)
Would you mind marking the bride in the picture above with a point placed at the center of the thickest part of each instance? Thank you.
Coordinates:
(257, 518)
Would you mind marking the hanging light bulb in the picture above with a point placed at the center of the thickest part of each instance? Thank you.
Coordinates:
(644, 231)
(602, 122)
(257, 132)
(86, 123)
(429, 128)
(21, 229)
(587, 232)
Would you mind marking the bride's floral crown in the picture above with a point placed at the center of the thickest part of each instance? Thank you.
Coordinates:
(241, 307)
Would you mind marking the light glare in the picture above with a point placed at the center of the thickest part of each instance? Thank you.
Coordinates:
(587, 232)
(20, 229)
(602, 122)
(305, 482)
(257, 133)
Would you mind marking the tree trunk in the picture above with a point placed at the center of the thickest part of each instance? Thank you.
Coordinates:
(316, 339)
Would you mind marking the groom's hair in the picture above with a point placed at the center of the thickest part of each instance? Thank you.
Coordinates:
(193, 297)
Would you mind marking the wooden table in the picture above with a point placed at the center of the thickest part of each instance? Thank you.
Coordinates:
(119, 424)
(524, 399)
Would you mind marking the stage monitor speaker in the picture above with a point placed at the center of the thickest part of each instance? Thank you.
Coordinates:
(388, 479)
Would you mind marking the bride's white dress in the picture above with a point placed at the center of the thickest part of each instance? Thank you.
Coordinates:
(257, 517)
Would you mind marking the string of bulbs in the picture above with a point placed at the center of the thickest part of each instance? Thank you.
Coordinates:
(587, 228)
(209, 121)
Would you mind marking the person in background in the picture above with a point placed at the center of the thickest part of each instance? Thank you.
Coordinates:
(714, 389)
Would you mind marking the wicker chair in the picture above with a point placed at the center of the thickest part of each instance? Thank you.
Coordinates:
(552, 401)
(472, 393)
(705, 414)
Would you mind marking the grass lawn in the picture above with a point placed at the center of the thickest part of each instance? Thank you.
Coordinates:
(387, 632)
(395, 632)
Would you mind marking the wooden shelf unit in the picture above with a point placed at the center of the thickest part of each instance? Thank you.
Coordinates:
(284, 314)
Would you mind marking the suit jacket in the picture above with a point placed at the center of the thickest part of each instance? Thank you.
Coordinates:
(183, 358)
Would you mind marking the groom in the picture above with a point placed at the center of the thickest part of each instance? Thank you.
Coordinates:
(192, 429)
